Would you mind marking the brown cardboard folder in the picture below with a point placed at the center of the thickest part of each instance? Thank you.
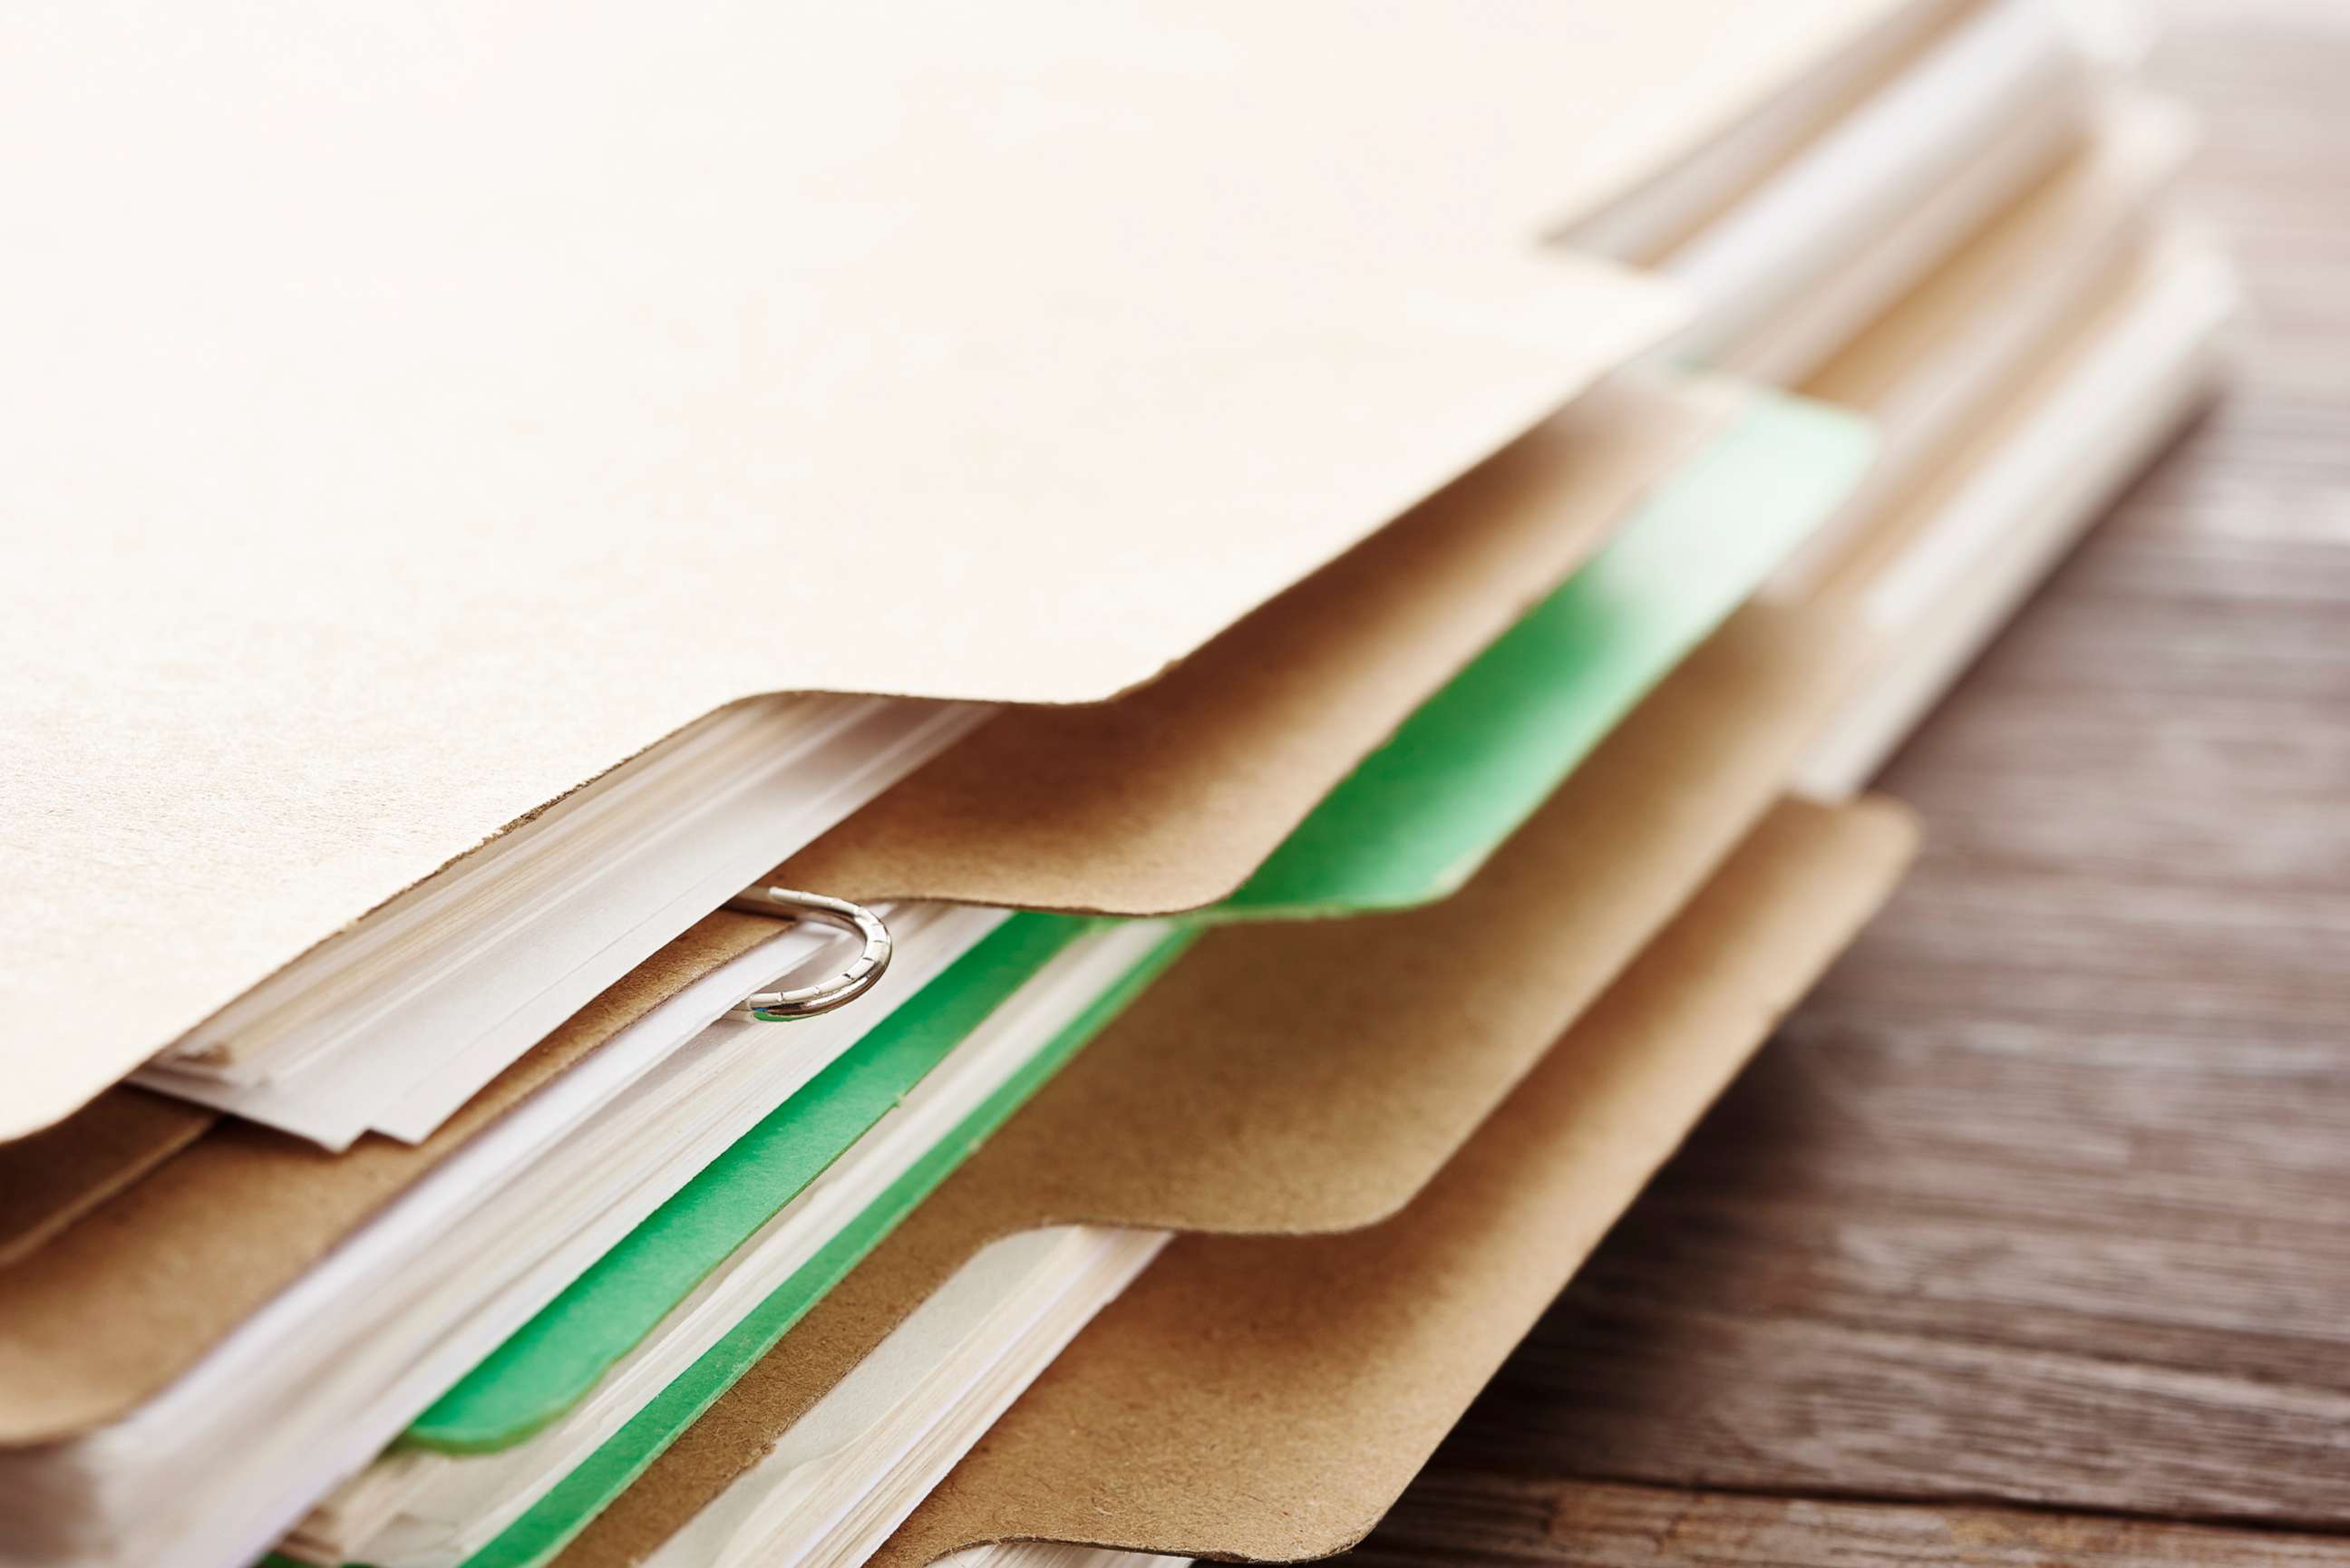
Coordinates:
(114, 1306)
(53, 1178)
(1168, 797)
(1262, 1394)
(1113, 355)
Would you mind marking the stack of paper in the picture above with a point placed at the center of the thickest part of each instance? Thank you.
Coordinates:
(1330, 573)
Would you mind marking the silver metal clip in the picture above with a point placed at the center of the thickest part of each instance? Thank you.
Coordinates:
(809, 1001)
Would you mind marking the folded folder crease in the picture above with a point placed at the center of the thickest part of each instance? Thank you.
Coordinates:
(51, 1179)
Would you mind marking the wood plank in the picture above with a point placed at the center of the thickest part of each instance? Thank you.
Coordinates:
(1733, 1397)
(1470, 1520)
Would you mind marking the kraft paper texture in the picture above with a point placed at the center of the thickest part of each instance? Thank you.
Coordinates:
(1169, 798)
(1329, 1434)
(1267, 1400)
(1184, 1053)
(1225, 770)
(107, 1314)
(1308, 1076)
(51, 1179)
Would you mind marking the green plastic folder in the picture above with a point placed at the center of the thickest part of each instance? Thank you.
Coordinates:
(1421, 813)
(590, 1488)
(551, 1362)
(1412, 822)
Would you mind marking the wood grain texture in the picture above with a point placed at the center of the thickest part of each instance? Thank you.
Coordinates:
(2030, 1234)
(1467, 1520)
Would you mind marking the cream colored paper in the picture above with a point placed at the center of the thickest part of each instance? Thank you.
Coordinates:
(411, 416)
(1292, 1166)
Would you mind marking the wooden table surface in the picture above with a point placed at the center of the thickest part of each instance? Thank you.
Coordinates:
(2029, 1240)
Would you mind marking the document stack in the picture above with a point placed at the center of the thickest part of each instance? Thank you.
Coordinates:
(805, 785)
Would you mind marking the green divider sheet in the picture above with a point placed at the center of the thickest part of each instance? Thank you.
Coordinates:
(1423, 813)
(564, 1511)
(1412, 822)
(551, 1361)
